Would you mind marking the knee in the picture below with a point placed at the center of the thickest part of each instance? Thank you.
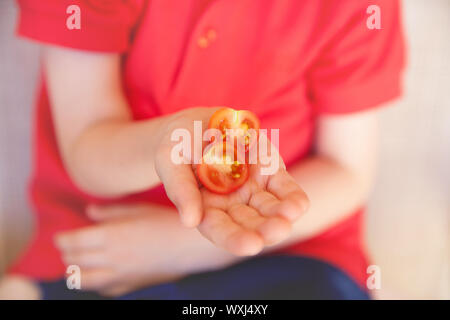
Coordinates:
(18, 287)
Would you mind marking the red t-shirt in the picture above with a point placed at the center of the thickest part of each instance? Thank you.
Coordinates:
(287, 61)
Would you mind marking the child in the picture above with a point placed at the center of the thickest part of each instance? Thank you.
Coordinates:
(114, 90)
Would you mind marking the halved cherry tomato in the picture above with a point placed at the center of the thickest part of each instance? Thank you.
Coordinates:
(227, 118)
(221, 171)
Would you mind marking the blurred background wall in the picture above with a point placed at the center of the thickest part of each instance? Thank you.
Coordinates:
(408, 221)
(408, 225)
(19, 62)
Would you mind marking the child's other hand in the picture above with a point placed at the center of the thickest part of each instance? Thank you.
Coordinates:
(123, 251)
(15, 287)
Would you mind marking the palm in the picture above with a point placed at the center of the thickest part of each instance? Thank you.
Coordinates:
(259, 213)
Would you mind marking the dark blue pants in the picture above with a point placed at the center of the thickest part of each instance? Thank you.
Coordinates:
(267, 277)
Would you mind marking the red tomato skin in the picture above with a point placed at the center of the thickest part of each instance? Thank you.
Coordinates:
(217, 116)
(214, 123)
(226, 113)
(202, 174)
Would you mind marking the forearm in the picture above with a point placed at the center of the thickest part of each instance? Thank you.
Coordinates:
(202, 255)
(334, 191)
(104, 151)
(196, 253)
(338, 179)
(115, 158)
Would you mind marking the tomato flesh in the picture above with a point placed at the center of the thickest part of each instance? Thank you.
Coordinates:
(220, 171)
(227, 118)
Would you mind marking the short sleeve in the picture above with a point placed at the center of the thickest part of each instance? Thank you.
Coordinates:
(360, 68)
(104, 25)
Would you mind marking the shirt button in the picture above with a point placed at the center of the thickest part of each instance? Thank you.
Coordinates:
(203, 42)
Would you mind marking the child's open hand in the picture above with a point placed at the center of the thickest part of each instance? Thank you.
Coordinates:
(259, 213)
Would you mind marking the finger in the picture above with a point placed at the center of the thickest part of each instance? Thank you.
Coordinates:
(110, 212)
(276, 228)
(246, 216)
(265, 202)
(97, 279)
(294, 201)
(117, 290)
(219, 228)
(272, 230)
(86, 259)
(182, 189)
(101, 213)
(86, 238)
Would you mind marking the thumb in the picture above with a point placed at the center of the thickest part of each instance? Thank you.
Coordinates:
(182, 189)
